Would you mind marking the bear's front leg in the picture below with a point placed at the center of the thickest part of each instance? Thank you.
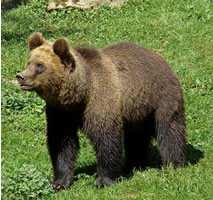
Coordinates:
(63, 153)
(63, 146)
(109, 156)
(106, 137)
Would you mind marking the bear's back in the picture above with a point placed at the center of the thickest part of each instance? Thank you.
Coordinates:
(146, 79)
(130, 56)
(142, 78)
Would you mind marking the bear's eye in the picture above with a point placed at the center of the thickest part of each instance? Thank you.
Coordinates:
(40, 68)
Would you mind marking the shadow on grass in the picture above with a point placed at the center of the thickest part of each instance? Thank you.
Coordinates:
(90, 169)
(193, 156)
(10, 4)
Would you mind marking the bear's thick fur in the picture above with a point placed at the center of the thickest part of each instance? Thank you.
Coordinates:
(121, 95)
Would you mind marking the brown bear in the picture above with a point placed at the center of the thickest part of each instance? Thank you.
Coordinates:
(119, 96)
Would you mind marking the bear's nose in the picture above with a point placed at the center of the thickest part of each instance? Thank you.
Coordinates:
(19, 77)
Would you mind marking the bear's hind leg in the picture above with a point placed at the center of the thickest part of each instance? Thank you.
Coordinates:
(171, 138)
(137, 140)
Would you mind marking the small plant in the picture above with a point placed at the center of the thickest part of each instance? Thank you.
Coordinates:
(24, 183)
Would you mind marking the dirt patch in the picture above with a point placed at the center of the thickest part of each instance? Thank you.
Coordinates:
(82, 4)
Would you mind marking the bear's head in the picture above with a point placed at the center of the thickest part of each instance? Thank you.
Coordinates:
(48, 66)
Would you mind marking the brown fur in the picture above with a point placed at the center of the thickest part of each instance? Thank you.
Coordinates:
(120, 93)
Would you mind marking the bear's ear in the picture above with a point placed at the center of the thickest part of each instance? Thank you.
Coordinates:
(62, 49)
(35, 40)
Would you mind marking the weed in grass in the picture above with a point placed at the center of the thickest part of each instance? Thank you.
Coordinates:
(25, 182)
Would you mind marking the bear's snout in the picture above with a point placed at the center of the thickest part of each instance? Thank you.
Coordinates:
(19, 77)
(24, 82)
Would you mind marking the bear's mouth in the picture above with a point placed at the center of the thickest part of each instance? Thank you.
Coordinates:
(26, 87)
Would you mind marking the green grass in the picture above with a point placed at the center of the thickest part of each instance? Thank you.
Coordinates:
(181, 31)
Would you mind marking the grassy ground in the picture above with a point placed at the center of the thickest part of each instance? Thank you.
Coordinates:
(181, 31)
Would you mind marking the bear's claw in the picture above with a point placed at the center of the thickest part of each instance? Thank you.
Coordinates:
(60, 184)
